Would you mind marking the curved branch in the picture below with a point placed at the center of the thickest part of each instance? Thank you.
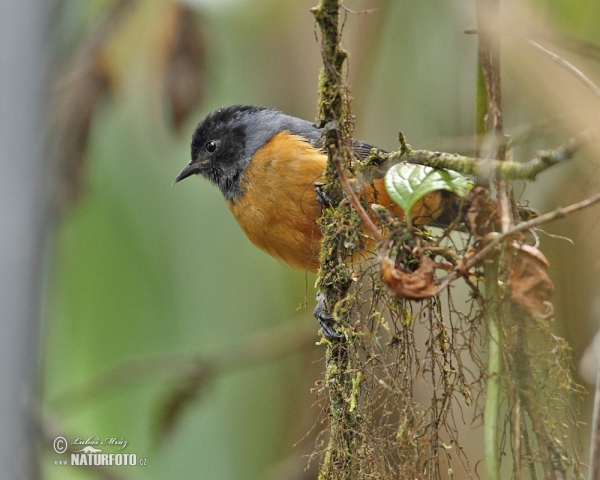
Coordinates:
(567, 66)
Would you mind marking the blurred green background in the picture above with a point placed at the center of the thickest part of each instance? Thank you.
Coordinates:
(147, 280)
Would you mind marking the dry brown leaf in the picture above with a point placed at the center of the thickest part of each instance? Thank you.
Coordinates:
(529, 281)
(416, 285)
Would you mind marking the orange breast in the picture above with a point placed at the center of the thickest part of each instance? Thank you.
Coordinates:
(278, 208)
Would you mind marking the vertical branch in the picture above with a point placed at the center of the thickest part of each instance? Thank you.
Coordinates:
(488, 52)
(489, 121)
(481, 109)
(594, 471)
(489, 74)
(492, 394)
(342, 377)
(334, 112)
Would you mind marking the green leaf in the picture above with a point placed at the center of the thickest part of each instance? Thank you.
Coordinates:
(406, 183)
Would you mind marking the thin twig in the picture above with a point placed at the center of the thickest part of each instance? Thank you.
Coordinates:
(545, 218)
(566, 65)
(534, 222)
(356, 202)
(358, 12)
(574, 44)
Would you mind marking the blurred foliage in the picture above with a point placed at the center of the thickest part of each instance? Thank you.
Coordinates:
(141, 269)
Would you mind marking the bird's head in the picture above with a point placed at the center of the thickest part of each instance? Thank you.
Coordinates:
(225, 141)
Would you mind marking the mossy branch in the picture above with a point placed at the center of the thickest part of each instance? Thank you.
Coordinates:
(502, 170)
(358, 447)
(342, 380)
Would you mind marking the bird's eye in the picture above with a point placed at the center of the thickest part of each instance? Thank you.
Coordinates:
(211, 146)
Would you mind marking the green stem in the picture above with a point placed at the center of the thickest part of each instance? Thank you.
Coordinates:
(481, 110)
(492, 398)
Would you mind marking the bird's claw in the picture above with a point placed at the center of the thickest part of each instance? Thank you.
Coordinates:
(322, 197)
(326, 320)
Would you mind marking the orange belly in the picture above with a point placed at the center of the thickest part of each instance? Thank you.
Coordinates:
(278, 207)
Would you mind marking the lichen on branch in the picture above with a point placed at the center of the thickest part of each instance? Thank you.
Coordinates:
(501, 169)
(342, 385)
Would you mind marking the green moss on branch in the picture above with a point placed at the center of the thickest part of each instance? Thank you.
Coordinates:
(503, 170)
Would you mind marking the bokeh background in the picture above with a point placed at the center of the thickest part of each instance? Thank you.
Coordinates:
(160, 323)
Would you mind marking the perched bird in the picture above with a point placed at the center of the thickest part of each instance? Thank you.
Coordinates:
(266, 165)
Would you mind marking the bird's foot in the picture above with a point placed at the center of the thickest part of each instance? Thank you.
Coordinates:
(326, 320)
(322, 197)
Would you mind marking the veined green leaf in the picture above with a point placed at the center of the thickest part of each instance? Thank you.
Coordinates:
(407, 183)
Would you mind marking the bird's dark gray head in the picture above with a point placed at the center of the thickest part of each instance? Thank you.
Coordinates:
(226, 140)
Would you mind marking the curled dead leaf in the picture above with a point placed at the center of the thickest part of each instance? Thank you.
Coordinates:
(533, 251)
(416, 285)
(529, 281)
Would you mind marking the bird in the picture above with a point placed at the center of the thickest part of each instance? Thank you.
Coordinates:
(267, 166)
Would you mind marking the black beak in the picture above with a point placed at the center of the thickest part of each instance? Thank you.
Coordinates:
(190, 169)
